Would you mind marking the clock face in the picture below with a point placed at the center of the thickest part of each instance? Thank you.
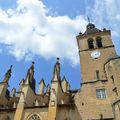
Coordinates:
(95, 54)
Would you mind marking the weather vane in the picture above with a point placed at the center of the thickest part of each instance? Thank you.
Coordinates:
(88, 19)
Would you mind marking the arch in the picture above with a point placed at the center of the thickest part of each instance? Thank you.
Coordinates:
(90, 43)
(99, 42)
(34, 116)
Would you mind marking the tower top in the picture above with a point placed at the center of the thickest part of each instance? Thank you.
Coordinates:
(90, 28)
(90, 25)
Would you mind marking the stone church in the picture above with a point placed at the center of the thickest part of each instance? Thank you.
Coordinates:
(97, 99)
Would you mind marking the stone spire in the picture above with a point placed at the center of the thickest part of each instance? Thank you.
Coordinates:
(41, 87)
(30, 77)
(56, 92)
(64, 84)
(13, 91)
(8, 74)
(48, 89)
(30, 74)
(21, 85)
(56, 73)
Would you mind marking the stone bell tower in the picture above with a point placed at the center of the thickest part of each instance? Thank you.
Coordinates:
(95, 98)
(95, 48)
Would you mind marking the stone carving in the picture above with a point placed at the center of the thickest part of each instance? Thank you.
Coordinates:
(34, 117)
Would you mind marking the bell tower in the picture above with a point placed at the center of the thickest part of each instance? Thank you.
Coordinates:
(95, 49)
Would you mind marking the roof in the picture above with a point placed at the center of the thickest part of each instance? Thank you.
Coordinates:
(90, 28)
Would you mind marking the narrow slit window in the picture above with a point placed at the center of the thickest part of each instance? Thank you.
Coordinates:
(97, 75)
(99, 42)
(90, 43)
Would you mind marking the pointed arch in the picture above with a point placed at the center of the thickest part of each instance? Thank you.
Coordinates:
(34, 116)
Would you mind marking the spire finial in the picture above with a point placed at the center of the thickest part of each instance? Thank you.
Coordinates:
(88, 19)
(9, 71)
(58, 59)
(8, 74)
(33, 62)
(11, 66)
(32, 66)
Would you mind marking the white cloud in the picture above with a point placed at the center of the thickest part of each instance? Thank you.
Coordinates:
(28, 29)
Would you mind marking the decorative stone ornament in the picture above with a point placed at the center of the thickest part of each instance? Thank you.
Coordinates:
(34, 117)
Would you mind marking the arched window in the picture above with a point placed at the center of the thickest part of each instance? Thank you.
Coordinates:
(34, 117)
(99, 42)
(90, 43)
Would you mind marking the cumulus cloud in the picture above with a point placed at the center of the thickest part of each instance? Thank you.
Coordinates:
(29, 30)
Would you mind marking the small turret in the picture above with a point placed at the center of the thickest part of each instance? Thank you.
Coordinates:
(8, 75)
(36, 103)
(4, 92)
(41, 87)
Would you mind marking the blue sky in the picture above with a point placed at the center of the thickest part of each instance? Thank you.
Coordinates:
(43, 30)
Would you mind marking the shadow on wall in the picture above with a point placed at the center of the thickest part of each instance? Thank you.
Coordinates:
(4, 117)
(68, 112)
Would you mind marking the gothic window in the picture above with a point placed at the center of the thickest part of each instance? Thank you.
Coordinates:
(99, 42)
(90, 43)
(101, 93)
(34, 117)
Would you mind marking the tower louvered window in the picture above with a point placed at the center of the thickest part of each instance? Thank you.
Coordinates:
(90, 43)
(99, 42)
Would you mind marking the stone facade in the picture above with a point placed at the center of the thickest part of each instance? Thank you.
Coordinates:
(97, 99)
